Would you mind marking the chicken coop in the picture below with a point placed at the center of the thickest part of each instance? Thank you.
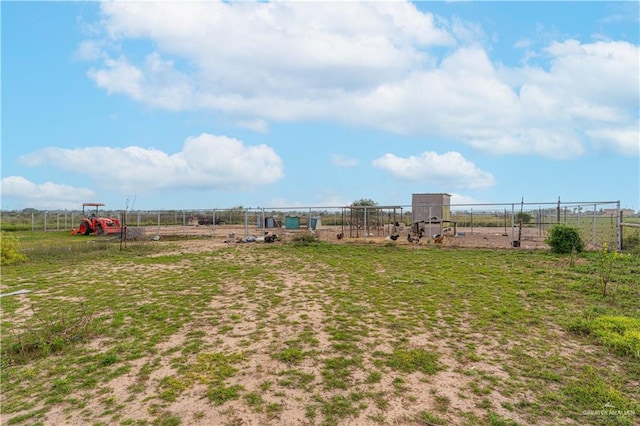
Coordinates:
(371, 221)
(431, 211)
(431, 206)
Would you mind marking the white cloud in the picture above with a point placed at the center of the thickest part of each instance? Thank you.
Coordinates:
(342, 161)
(467, 32)
(450, 169)
(156, 82)
(242, 48)
(370, 64)
(597, 73)
(267, 60)
(205, 162)
(119, 77)
(257, 125)
(523, 43)
(89, 50)
(44, 196)
(462, 199)
(626, 141)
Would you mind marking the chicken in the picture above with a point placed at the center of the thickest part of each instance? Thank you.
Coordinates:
(271, 238)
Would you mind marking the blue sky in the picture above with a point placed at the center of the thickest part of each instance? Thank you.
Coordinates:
(207, 104)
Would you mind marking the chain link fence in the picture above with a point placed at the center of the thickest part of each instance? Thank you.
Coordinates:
(598, 223)
(477, 225)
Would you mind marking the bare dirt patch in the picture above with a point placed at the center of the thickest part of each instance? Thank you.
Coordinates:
(492, 237)
(296, 354)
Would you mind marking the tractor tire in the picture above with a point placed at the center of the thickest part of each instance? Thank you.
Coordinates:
(84, 228)
(99, 230)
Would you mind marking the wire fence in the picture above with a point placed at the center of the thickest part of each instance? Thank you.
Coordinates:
(508, 224)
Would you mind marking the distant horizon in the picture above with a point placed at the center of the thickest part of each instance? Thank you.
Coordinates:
(405, 207)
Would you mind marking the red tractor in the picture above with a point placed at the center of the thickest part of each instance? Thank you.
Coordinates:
(94, 224)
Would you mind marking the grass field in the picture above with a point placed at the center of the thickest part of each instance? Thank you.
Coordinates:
(194, 332)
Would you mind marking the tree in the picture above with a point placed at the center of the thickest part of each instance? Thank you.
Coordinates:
(364, 202)
(525, 217)
(360, 216)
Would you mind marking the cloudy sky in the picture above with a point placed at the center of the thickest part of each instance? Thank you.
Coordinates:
(209, 104)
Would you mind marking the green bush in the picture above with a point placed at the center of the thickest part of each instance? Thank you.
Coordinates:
(631, 243)
(305, 238)
(525, 217)
(565, 239)
(9, 252)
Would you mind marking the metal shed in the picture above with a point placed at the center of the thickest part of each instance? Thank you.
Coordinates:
(431, 207)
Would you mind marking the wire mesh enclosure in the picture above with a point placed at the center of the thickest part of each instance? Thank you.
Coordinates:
(474, 225)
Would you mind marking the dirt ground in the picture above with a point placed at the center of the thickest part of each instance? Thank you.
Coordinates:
(530, 238)
(192, 409)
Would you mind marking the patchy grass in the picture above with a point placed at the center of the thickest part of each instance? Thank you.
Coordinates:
(620, 333)
(317, 333)
(411, 360)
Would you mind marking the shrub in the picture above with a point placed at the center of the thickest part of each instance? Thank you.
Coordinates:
(525, 217)
(305, 238)
(9, 252)
(565, 239)
(47, 333)
(631, 243)
(606, 261)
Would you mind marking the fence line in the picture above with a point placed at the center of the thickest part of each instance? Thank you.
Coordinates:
(599, 221)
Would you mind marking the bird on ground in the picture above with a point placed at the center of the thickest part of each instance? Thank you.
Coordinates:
(270, 238)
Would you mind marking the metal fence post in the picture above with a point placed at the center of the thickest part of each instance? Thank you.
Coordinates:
(246, 223)
(618, 227)
(594, 225)
(213, 224)
(513, 218)
(366, 225)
